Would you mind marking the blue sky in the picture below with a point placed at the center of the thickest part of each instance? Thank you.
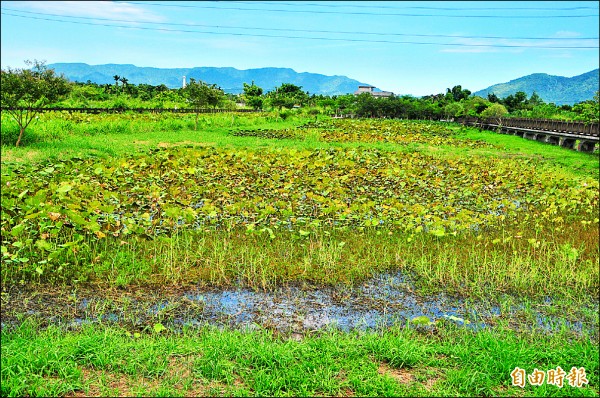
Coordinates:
(407, 47)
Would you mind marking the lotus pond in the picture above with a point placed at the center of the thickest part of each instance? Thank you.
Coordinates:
(302, 228)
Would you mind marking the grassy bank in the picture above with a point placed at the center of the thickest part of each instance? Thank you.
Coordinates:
(101, 361)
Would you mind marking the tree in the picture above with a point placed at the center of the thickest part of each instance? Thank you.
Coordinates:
(252, 95)
(588, 110)
(457, 93)
(452, 110)
(117, 78)
(287, 95)
(124, 82)
(475, 105)
(534, 100)
(493, 98)
(327, 103)
(25, 91)
(366, 105)
(495, 111)
(345, 103)
(515, 102)
(252, 90)
(200, 94)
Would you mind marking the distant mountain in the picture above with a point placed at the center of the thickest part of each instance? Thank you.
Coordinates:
(231, 80)
(558, 89)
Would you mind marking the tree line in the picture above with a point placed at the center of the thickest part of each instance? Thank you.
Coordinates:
(456, 102)
(40, 86)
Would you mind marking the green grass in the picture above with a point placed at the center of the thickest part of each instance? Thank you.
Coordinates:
(546, 248)
(571, 161)
(477, 266)
(102, 360)
(63, 136)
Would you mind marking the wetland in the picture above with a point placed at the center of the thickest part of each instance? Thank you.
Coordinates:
(263, 256)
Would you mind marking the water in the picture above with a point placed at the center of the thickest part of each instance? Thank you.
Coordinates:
(381, 302)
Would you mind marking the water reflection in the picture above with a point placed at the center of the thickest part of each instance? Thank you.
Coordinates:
(380, 302)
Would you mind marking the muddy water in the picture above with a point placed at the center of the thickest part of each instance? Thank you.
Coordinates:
(378, 303)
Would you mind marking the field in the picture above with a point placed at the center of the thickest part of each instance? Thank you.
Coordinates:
(298, 255)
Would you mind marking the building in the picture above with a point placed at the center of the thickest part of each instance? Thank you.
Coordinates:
(370, 90)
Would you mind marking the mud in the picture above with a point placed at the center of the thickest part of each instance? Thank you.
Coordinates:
(378, 303)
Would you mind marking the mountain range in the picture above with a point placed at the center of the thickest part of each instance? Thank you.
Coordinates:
(231, 80)
(557, 89)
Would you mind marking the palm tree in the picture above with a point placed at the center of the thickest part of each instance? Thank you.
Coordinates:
(124, 80)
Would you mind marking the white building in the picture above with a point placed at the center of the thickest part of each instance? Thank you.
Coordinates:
(370, 90)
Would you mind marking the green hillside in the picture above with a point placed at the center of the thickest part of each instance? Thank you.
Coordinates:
(557, 89)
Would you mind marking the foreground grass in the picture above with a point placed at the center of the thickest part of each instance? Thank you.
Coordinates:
(108, 361)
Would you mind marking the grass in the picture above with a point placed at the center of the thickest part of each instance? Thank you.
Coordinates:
(102, 360)
(473, 265)
(545, 250)
(572, 162)
(62, 136)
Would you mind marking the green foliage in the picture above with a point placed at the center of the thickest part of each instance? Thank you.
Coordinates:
(495, 111)
(457, 93)
(534, 100)
(252, 90)
(456, 102)
(475, 105)
(252, 95)
(30, 89)
(515, 102)
(165, 191)
(200, 95)
(589, 111)
(286, 96)
(452, 110)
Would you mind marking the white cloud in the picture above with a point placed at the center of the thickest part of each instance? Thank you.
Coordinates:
(91, 9)
(517, 45)
(464, 45)
(470, 50)
(565, 33)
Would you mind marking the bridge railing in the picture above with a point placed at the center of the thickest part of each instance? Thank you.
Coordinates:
(549, 125)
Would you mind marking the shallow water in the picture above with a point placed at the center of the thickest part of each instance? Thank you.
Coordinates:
(380, 302)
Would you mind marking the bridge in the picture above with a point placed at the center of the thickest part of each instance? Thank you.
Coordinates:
(583, 136)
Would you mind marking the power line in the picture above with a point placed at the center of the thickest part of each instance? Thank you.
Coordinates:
(304, 30)
(303, 37)
(361, 13)
(297, 4)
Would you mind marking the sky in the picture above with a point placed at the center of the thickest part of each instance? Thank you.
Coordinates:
(407, 47)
